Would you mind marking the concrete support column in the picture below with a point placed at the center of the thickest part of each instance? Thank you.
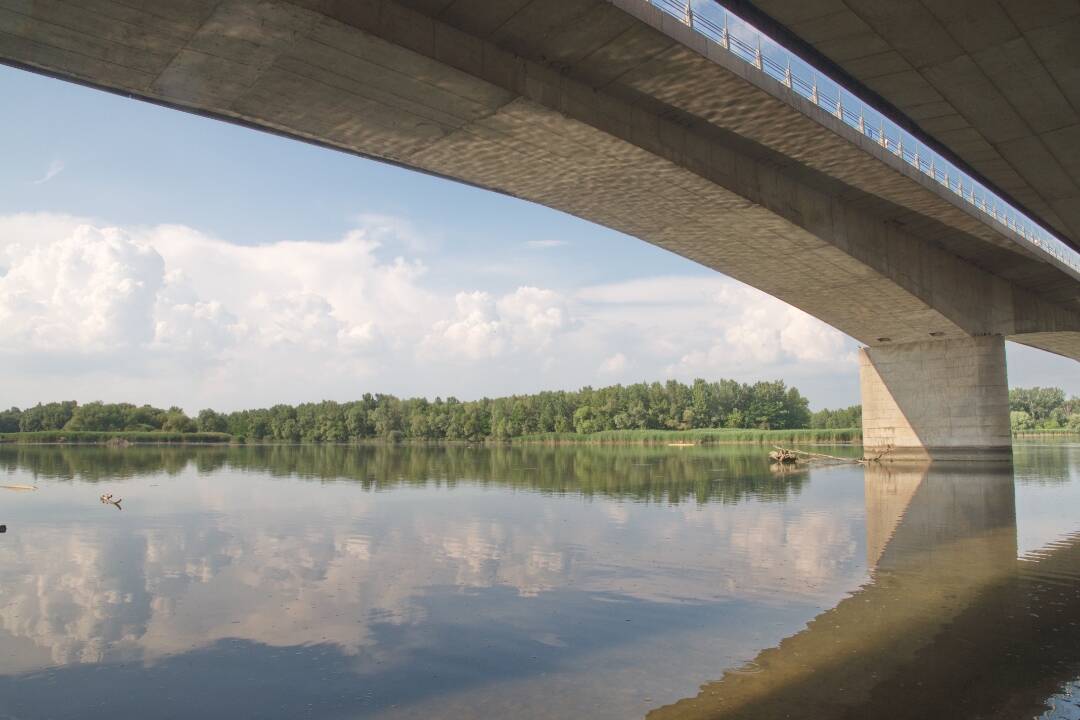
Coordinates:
(939, 400)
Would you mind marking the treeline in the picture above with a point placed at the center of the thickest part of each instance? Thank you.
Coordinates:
(849, 417)
(1043, 408)
(643, 406)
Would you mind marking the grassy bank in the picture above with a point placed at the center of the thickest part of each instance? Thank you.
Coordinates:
(700, 437)
(91, 437)
(1046, 432)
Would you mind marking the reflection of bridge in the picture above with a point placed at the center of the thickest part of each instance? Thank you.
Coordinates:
(951, 624)
(621, 114)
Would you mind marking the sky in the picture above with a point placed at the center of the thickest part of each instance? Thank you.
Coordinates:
(149, 255)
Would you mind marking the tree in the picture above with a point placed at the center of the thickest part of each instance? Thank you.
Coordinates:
(585, 420)
(176, 420)
(210, 421)
(9, 420)
(1038, 402)
(1020, 420)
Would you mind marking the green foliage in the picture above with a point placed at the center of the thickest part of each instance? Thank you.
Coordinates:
(1020, 420)
(9, 420)
(94, 437)
(210, 421)
(849, 417)
(1042, 408)
(707, 412)
(641, 407)
(48, 416)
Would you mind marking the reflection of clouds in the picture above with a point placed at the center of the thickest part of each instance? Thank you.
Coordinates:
(770, 549)
(819, 545)
(291, 563)
(64, 594)
(616, 513)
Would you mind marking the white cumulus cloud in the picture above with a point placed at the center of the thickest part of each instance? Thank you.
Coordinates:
(93, 289)
(171, 315)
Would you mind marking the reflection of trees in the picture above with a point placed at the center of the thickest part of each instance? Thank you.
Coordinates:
(726, 474)
(1041, 464)
(91, 463)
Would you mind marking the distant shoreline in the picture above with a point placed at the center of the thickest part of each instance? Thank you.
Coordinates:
(654, 438)
(675, 438)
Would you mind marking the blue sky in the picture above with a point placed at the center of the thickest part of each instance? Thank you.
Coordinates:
(149, 254)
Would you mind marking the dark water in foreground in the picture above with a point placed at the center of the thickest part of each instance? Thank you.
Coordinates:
(535, 583)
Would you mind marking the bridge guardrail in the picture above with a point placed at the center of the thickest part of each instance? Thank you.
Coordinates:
(715, 22)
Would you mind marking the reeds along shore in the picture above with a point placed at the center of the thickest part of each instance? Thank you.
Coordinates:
(621, 437)
(702, 437)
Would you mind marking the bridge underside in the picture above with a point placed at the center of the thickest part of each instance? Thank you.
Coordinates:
(997, 84)
(610, 111)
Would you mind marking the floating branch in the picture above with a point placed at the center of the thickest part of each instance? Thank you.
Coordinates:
(108, 499)
(780, 452)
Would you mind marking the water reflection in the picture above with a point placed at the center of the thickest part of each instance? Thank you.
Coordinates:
(951, 623)
(726, 474)
(532, 582)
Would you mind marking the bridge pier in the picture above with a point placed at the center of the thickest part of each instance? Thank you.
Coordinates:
(938, 400)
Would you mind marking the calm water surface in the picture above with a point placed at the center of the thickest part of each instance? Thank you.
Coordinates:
(333, 582)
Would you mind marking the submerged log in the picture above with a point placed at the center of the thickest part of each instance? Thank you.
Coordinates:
(783, 457)
(834, 458)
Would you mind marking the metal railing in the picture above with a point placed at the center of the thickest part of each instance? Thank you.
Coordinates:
(713, 21)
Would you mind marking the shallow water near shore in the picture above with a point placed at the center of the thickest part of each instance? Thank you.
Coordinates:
(535, 582)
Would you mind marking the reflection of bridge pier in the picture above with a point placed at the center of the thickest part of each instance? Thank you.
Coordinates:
(950, 625)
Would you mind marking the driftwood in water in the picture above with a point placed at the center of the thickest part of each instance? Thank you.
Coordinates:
(823, 456)
(108, 499)
(783, 457)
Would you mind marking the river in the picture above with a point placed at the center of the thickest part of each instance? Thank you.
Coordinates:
(535, 582)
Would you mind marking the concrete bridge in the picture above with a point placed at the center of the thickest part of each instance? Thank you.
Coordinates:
(951, 624)
(626, 115)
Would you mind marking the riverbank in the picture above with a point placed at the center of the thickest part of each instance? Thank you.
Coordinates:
(94, 437)
(718, 436)
(1046, 432)
(614, 437)
(672, 438)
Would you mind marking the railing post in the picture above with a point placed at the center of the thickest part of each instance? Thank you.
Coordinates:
(881, 134)
(688, 14)
(839, 105)
(814, 92)
(757, 54)
(725, 41)
(787, 74)
(862, 123)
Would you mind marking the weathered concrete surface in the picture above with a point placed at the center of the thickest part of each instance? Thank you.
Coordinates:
(611, 111)
(996, 82)
(936, 400)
